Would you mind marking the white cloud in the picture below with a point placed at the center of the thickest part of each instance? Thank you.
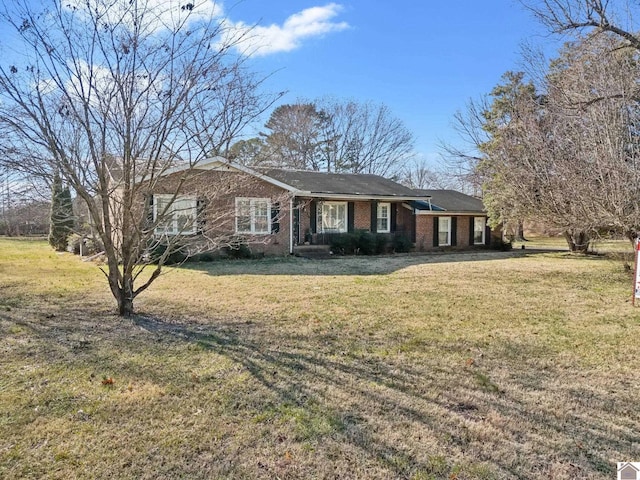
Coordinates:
(158, 14)
(255, 40)
(265, 40)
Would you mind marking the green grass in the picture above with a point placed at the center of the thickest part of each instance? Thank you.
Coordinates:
(466, 366)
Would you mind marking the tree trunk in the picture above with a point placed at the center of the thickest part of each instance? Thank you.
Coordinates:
(125, 306)
(578, 241)
(520, 232)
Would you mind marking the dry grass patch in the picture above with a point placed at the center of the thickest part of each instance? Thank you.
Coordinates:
(469, 366)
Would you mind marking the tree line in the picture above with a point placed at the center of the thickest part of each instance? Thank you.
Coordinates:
(330, 135)
(559, 141)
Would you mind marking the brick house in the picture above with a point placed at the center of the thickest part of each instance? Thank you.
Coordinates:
(452, 219)
(277, 211)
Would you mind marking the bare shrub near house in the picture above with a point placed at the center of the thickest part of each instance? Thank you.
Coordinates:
(114, 94)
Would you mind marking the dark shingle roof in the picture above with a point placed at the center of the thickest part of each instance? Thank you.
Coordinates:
(453, 201)
(340, 183)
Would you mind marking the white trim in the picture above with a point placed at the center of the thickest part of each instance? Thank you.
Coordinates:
(357, 196)
(291, 225)
(484, 230)
(320, 217)
(448, 242)
(171, 217)
(439, 213)
(252, 216)
(387, 218)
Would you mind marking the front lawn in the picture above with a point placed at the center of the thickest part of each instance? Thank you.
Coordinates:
(458, 366)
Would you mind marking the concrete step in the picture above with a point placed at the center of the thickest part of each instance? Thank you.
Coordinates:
(312, 251)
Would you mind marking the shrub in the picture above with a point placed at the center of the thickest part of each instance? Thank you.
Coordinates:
(238, 249)
(363, 242)
(342, 243)
(204, 257)
(174, 258)
(91, 245)
(401, 243)
(498, 244)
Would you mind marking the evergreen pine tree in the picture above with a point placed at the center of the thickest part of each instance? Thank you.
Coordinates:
(61, 224)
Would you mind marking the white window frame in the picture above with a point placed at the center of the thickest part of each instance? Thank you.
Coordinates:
(447, 231)
(381, 216)
(482, 222)
(171, 225)
(254, 204)
(322, 215)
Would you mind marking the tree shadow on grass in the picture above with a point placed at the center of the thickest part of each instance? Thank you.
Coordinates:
(425, 417)
(377, 411)
(351, 265)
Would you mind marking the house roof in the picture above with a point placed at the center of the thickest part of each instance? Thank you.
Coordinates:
(336, 184)
(451, 201)
(317, 184)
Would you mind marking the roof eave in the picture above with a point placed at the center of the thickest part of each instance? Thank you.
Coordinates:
(357, 196)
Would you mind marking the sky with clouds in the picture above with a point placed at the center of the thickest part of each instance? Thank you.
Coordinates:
(423, 59)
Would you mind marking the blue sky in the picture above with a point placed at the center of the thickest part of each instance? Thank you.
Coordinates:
(423, 59)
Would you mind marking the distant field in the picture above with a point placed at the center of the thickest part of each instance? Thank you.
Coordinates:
(446, 366)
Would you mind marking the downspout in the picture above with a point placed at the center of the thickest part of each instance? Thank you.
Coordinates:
(291, 226)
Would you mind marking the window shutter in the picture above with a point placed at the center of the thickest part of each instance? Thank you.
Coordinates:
(313, 216)
(374, 216)
(435, 231)
(454, 231)
(201, 220)
(472, 227)
(275, 217)
(351, 210)
(394, 217)
(487, 235)
(150, 210)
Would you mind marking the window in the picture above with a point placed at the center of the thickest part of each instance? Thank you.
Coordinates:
(444, 231)
(175, 215)
(253, 215)
(384, 211)
(478, 230)
(332, 217)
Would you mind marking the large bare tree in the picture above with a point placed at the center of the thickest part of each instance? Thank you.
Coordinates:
(567, 156)
(112, 94)
(337, 136)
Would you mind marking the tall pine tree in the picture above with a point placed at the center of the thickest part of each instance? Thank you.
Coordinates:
(61, 224)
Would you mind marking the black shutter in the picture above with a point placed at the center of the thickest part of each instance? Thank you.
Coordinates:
(374, 216)
(487, 235)
(201, 219)
(351, 220)
(275, 217)
(454, 231)
(472, 233)
(313, 216)
(435, 231)
(150, 210)
(394, 216)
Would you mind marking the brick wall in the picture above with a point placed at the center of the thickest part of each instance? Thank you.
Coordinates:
(220, 189)
(362, 212)
(424, 233)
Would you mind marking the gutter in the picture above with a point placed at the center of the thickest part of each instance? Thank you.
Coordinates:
(291, 225)
(355, 196)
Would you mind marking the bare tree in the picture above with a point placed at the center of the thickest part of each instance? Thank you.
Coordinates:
(338, 136)
(364, 138)
(567, 157)
(576, 16)
(113, 94)
(295, 137)
(420, 174)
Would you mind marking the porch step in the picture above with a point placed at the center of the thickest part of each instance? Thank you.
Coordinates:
(312, 251)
